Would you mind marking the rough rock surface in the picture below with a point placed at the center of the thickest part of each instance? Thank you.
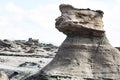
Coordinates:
(118, 48)
(3, 76)
(86, 54)
(23, 58)
(30, 46)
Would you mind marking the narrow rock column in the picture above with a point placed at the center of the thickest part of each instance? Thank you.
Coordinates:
(86, 53)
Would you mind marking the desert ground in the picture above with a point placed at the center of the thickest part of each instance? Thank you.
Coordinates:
(20, 58)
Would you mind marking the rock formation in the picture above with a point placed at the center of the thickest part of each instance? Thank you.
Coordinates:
(30, 46)
(85, 54)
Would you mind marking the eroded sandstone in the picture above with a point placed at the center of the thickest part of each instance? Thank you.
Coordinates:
(85, 54)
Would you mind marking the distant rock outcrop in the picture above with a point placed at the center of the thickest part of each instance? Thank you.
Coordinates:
(86, 53)
(118, 48)
(30, 46)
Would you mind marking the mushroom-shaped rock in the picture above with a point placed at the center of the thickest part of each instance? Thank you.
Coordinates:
(85, 54)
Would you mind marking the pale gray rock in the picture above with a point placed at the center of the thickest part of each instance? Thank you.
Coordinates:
(82, 21)
(85, 54)
(118, 48)
(3, 76)
(31, 42)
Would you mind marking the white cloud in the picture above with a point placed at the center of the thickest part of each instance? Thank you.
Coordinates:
(44, 16)
(12, 8)
(37, 23)
(99, 4)
(117, 1)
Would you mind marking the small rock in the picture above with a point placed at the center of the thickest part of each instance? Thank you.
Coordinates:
(29, 65)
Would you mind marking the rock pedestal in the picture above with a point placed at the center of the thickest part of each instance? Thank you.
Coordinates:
(86, 53)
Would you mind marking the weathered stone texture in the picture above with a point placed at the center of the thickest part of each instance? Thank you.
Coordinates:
(85, 54)
(3, 76)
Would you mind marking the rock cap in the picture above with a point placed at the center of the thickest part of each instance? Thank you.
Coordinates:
(79, 20)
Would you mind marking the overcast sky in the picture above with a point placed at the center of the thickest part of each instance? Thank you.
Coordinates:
(21, 19)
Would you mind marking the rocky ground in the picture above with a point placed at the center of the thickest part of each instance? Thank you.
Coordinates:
(20, 58)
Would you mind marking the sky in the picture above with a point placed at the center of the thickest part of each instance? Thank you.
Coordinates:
(23, 19)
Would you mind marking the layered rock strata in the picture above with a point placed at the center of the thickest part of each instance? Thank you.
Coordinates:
(85, 54)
